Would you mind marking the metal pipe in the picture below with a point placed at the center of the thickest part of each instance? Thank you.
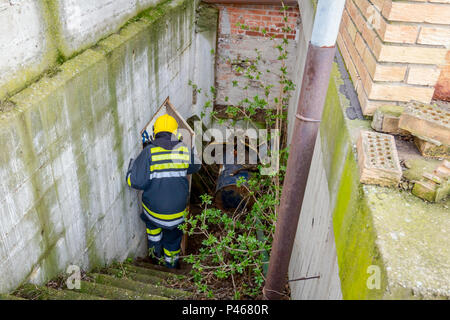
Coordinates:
(307, 119)
(326, 22)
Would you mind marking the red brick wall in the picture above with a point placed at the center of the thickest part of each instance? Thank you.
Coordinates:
(259, 17)
(263, 22)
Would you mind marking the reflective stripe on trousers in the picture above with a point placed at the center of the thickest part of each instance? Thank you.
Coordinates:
(154, 235)
(171, 256)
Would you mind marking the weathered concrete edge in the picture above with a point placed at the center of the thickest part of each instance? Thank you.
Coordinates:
(356, 235)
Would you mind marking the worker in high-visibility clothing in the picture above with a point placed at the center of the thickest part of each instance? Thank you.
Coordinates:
(161, 170)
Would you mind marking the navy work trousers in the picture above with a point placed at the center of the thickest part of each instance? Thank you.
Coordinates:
(164, 242)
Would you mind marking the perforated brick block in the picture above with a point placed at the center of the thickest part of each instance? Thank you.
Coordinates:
(378, 159)
(428, 122)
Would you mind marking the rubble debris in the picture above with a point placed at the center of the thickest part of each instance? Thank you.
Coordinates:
(386, 119)
(378, 159)
(429, 122)
(434, 187)
(431, 150)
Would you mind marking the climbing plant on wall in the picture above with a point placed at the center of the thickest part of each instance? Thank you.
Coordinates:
(233, 255)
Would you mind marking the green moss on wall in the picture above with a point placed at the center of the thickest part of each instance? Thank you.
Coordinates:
(57, 50)
(355, 237)
(207, 18)
(333, 131)
(71, 109)
(352, 220)
(44, 195)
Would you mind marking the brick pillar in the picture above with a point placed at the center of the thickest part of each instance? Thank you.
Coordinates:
(395, 50)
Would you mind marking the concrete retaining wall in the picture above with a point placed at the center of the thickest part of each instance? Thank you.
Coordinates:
(36, 34)
(66, 141)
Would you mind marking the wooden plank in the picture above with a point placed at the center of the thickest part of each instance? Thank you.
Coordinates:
(188, 138)
(168, 107)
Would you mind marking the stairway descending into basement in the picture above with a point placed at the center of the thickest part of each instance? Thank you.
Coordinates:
(129, 281)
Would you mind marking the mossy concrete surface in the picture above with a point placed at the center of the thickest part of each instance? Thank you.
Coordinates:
(32, 292)
(140, 287)
(108, 283)
(66, 141)
(390, 244)
(114, 293)
(136, 276)
(151, 272)
(206, 18)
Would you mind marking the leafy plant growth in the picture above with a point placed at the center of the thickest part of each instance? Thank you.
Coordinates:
(235, 245)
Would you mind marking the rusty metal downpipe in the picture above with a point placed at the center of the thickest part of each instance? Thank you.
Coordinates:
(307, 120)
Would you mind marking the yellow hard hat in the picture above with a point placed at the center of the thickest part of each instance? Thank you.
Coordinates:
(165, 123)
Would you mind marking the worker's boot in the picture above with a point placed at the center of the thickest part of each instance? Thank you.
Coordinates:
(175, 265)
(154, 256)
(172, 264)
(154, 260)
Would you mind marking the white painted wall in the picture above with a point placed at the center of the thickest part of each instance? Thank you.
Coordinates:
(314, 251)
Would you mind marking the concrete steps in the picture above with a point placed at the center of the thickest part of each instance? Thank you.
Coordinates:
(32, 292)
(138, 281)
(9, 297)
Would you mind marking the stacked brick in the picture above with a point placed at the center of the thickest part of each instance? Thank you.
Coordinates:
(395, 50)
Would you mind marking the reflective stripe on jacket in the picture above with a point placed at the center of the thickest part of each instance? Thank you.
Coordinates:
(161, 170)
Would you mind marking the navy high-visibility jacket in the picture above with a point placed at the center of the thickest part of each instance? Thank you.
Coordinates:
(160, 170)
